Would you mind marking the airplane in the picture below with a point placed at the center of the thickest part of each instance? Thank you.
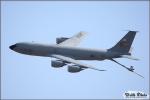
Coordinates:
(67, 53)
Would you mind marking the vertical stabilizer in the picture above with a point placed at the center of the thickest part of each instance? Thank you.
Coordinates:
(124, 45)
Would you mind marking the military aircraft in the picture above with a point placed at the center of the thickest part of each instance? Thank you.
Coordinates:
(67, 53)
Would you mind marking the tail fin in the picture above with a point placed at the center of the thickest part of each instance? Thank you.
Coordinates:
(124, 45)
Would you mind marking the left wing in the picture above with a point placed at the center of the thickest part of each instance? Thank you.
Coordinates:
(74, 40)
(70, 60)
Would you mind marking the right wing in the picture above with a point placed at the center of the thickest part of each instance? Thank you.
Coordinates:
(70, 60)
(74, 40)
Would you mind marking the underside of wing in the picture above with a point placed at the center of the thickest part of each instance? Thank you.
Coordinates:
(74, 40)
(73, 61)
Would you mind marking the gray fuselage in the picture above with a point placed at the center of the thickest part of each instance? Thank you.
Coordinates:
(73, 52)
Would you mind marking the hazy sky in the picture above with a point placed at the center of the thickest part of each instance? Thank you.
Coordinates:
(31, 77)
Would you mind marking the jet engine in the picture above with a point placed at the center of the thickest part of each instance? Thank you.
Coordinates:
(74, 69)
(61, 39)
(57, 63)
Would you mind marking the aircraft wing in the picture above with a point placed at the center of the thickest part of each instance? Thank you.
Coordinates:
(70, 60)
(74, 40)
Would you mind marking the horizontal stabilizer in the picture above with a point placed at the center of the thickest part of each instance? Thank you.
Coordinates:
(129, 57)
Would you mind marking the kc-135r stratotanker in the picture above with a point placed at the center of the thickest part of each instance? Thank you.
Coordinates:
(67, 53)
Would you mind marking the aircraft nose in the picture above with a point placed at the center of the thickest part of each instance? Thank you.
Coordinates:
(12, 47)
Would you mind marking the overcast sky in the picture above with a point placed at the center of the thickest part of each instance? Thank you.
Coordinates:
(31, 77)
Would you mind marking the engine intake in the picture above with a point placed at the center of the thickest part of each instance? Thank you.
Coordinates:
(61, 39)
(74, 69)
(57, 63)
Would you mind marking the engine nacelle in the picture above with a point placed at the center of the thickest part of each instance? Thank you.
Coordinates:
(61, 39)
(74, 69)
(57, 63)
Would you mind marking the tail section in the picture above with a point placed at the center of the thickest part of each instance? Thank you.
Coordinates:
(124, 45)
